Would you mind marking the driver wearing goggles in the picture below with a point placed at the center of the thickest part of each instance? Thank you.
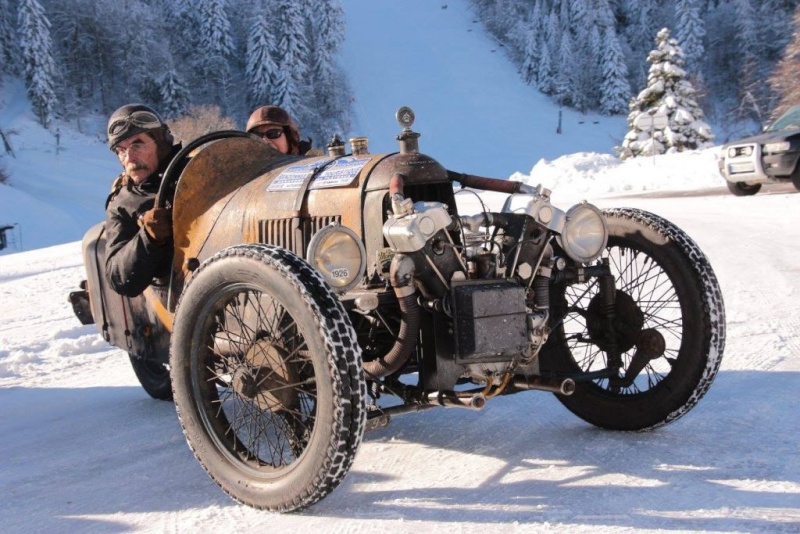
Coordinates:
(138, 234)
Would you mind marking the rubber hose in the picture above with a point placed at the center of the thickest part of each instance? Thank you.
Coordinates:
(410, 318)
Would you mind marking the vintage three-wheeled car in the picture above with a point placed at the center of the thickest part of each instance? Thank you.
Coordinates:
(314, 298)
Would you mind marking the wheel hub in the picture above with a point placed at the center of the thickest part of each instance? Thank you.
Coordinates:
(266, 378)
(628, 322)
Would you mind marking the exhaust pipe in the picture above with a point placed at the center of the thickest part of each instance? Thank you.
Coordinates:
(562, 387)
(454, 399)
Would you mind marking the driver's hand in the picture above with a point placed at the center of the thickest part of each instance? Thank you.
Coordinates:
(158, 224)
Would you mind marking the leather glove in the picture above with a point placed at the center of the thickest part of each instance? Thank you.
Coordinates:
(157, 222)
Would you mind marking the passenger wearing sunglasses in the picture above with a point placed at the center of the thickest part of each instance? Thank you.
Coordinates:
(275, 126)
(138, 234)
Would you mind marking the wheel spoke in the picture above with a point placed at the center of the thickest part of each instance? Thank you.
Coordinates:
(645, 282)
(268, 381)
(260, 382)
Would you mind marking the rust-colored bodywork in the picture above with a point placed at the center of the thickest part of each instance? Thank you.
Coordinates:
(227, 196)
(229, 193)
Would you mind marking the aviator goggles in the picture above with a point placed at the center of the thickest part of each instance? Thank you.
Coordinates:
(141, 119)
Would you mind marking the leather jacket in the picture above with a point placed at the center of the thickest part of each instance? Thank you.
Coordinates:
(133, 259)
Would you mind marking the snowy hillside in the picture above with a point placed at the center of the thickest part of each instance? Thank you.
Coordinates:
(473, 110)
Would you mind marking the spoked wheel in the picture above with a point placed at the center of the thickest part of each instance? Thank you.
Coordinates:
(153, 376)
(268, 380)
(669, 324)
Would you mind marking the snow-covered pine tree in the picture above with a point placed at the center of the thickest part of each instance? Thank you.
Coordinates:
(329, 117)
(642, 24)
(37, 59)
(564, 16)
(668, 93)
(291, 88)
(545, 78)
(604, 14)
(581, 16)
(551, 40)
(516, 36)
(216, 44)
(588, 75)
(585, 37)
(564, 92)
(775, 30)
(8, 56)
(132, 52)
(260, 67)
(502, 15)
(750, 96)
(182, 19)
(615, 91)
(784, 78)
(691, 32)
(175, 96)
(530, 65)
(532, 44)
(74, 44)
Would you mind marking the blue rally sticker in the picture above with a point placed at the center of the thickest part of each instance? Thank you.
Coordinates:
(336, 173)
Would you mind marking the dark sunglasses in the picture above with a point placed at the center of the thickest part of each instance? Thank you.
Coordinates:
(142, 119)
(272, 133)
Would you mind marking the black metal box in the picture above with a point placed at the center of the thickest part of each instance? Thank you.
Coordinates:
(490, 320)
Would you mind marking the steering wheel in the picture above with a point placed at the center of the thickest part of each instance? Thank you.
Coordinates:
(166, 190)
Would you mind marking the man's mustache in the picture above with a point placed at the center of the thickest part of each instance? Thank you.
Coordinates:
(137, 166)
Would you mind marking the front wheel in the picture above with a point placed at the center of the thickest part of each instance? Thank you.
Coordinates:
(267, 375)
(668, 328)
(796, 177)
(741, 189)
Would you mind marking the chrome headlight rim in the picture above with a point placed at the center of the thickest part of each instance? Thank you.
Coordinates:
(585, 233)
(339, 282)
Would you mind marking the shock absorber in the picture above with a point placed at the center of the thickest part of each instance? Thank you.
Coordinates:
(608, 299)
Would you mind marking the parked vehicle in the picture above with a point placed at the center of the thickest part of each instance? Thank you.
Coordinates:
(769, 157)
(314, 298)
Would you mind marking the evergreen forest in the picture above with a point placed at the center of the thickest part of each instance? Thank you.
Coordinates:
(90, 56)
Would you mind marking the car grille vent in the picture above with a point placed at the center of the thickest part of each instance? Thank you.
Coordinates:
(279, 232)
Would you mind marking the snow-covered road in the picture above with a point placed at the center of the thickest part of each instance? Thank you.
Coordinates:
(84, 449)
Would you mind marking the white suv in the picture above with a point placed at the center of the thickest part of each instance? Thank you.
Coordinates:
(769, 157)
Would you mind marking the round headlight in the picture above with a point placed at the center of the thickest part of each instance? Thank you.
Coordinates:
(585, 233)
(338, 254)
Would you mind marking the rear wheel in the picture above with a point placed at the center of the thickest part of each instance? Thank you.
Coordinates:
(669, 324)
(741, 189)
(267, 375)
(153, 376)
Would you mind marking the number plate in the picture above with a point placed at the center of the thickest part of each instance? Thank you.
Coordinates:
(340, 273)
(738, 168)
